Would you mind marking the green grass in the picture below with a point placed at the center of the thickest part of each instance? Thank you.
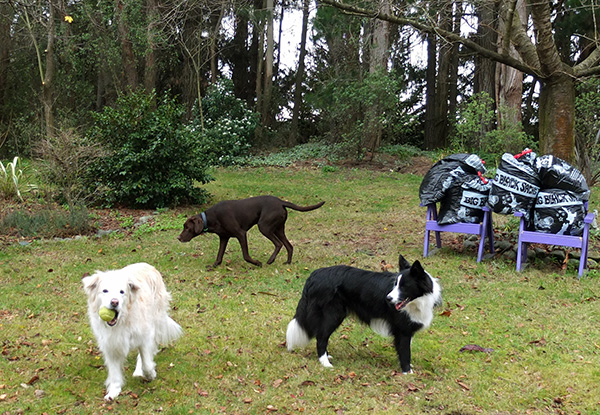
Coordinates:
(542, 323)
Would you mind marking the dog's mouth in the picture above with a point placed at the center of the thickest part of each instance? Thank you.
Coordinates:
(114, 320)
(400, 305)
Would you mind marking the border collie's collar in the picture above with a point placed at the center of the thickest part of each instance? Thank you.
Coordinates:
(204, 222)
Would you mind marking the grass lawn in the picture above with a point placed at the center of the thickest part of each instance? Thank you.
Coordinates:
(542, 324)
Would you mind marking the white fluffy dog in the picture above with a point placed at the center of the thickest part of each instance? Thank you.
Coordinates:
(138, 295)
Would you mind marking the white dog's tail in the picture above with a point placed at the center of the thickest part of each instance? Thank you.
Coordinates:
(167, 331)
(296, 336)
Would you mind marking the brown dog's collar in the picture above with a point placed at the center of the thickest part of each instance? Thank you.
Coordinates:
(204, 222)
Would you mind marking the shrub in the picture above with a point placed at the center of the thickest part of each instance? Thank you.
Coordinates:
(153, 160)
(66, 159)
(47, 223)
(470, 137)
(12, 184)
(587, 130)
(228, 126)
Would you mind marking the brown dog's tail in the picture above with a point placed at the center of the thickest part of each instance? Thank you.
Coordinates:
(301, 208)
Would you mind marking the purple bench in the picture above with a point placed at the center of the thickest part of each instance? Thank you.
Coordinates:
(580, 242)
(483, 229)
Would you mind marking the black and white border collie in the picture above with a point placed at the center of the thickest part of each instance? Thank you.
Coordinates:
(394, 305)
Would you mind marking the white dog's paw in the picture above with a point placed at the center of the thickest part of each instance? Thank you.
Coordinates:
(112, 392)
(147, 375)
(150, 375)
(138, 373)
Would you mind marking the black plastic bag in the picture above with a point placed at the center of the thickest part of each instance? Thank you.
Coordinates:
(446, 173)
(556, 173)
(515, 186)
(464, 203)
(559, 212)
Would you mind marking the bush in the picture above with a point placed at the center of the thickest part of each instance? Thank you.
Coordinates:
(469, 136)
(587, 130)
(228, 126)
(153, 160)
(66, 161)
(12, 183)
(47, 223)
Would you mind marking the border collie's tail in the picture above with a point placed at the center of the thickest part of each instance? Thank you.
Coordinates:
(296, 336)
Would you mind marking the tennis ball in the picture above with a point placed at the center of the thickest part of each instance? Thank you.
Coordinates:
(107, 314)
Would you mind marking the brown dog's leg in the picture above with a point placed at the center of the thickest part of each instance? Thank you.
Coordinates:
(222, 245)
(279, 239)
(244, 244)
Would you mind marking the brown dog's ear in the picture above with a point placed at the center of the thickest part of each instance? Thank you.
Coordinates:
(198, 224)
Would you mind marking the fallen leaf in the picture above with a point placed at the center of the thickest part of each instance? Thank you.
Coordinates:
(540, 342)
(34, 379)
(463, 385)
(277, 383)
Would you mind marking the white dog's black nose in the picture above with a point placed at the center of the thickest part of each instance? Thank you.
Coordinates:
(114, 302)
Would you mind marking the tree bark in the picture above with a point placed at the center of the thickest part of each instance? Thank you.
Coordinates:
(378, 61)
(431, 142)
(557, 117)
(300, 75)
(48, 82)
(6, 16)
(266, 110)
(509, 81)
(150, 69)
(129, 64)
(485, 69)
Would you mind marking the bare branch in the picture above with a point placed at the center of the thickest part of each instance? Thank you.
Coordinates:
(435, 30)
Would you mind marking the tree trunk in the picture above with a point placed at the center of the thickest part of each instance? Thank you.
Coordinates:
(378, 60)
(300, 74)
(557, 117)
(260, 33)
(214, 56)
(509, 81)
(453, 69)
(241, 73)
(6, 16)
(48, 82)
(129, 65)
(485, 69)
(266, 110)
(430, 136)
(440, 118)
(150, 69)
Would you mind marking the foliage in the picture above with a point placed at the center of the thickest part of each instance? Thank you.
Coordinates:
(67, 157)
(587, 130)
(470, 136)
(404, 152)
(153, 160)
(12, 183)
(47, 223)
(312, 150)
(343, 103)
(232, 358)
(228, 126)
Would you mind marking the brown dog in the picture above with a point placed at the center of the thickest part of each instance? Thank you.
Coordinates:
(233, 218)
